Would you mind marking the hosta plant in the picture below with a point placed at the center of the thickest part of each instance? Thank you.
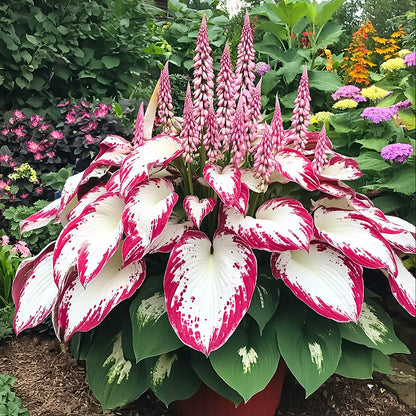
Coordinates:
(211, 250)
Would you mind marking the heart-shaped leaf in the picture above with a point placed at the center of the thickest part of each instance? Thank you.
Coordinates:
(197, 209)
(341, 168)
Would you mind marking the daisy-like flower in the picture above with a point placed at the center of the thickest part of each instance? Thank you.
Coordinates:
(410, 59)
(398, 152)
(378, 114)
(347, 91)
(374, 93)
(345, 103)
(393, 64)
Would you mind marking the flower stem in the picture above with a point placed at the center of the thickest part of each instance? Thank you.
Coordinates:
(190, 184)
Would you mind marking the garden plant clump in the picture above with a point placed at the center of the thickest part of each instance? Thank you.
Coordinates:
(208, 251)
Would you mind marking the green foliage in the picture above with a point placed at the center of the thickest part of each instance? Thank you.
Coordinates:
(6, 321)
(35, 239)
(77, 49)
(56, 180)
(9, 262)
(10, 404)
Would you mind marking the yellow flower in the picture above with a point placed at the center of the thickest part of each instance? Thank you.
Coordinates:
(345, 103)
(403, 52)
(374, 93)
(323, 116)
(313, 119)
(24, 171)
(393, 64)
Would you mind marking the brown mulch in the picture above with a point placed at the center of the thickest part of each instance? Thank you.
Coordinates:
(51, 383)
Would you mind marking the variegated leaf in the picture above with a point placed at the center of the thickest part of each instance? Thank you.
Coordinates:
(148, 208)
(255, 184)
(40, 218)
(226, 182)
(90, 239)
(34, 291)
(87, 199)
(208, 288)
(336, 188)
(297, 168)
(83, 307)
(197, 209)
(355, 236)
(241, 204)
(340, 168)
(158, 151)
(326, 280)
(280, 224)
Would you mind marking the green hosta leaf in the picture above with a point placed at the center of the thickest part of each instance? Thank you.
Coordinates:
(110, 61)
(371, 161)
(264, 301)
(309, 343)
(356, 361)
(247, 361)
(403, 181)
(171, 377)
(203, 368)
(80, 344)
(374, 330)
(373, 144)
(324, 81)
(150, 321)
(381, 362)
(391, 202)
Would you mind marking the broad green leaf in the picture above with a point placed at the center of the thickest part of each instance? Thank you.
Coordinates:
(325, 10)
(247, 361)
(309, 343)
(203, 368)
(264, 301)
(171, 377)
(373, 144)
(290, 13)
(80, 344)
(329, 34)
(356, 361)
(150, 321)
(110, 61)
(32, 39)
(269, 81)
(374, 329)
(324, 81)
(62, 72)
(371, 161)
(290, 70)
(408, 119)
(381, 362)
(276, 29)
(403, 181)
(391, 202)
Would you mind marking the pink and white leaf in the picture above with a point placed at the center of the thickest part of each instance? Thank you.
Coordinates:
(336, 188)
(197, 209)
(158, 151)
(340, 168)
(226, 182)
(280, 224)
(404, 242)
(355, 236)
(255, 184)
(82, 308)
(326, 280)
(297, 168)
(148, 208)
(241, 204)
(90, 239)
(403, 287)
(208, 287)
(34, 290)
(40, 218)
(87, 199)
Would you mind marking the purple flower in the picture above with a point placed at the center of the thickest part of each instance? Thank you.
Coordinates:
(359, 98)
(410, 59)
(402, 105)
(397, 152)
(377, 114)
(262, 68)
(347, 91)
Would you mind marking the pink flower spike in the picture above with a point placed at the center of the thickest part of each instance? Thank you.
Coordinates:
(189, 133)
(164, 102)
(301, 113)
(320, 159)
(277, 134)
(226, 95)
(238, 133)
(203, 76)
(264, 162)
(138, 138)
(211, 139)
(245, 66)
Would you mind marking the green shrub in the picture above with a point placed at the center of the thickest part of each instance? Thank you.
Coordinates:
(10, 404)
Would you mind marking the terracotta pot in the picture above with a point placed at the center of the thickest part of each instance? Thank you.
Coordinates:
(206, 402)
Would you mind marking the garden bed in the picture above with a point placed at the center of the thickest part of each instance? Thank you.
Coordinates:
(51, 383)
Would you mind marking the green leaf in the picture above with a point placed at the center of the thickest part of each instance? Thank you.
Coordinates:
(248, 360)
(309, 343)
(150, 321)
(203, 368)
(403, 181)
(374, 329)
(32, 39)
(269, 81)
(290, 13)
(62, 72)
(110, 61)
(391, 202)
(324, 81)
(329, 34)
(325, 10)
(171, 377)
(381, 362)
(356, 361)
(290, 70)
(371, 161)
(408, 119)
(264, 301)
(373, 144)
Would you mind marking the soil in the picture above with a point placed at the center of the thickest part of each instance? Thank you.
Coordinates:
(51, 383)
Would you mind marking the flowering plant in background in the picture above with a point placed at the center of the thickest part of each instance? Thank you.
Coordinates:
(195, 255)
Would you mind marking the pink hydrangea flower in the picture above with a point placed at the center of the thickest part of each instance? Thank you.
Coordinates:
(43, 127)
(70, 118)
(398, 152)
(92, 125)
(102, 110)
(35, 120)
(4, 158)
(410, 59)
(19, 115)
(56, 135)
(19, 132)
(33, 147)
